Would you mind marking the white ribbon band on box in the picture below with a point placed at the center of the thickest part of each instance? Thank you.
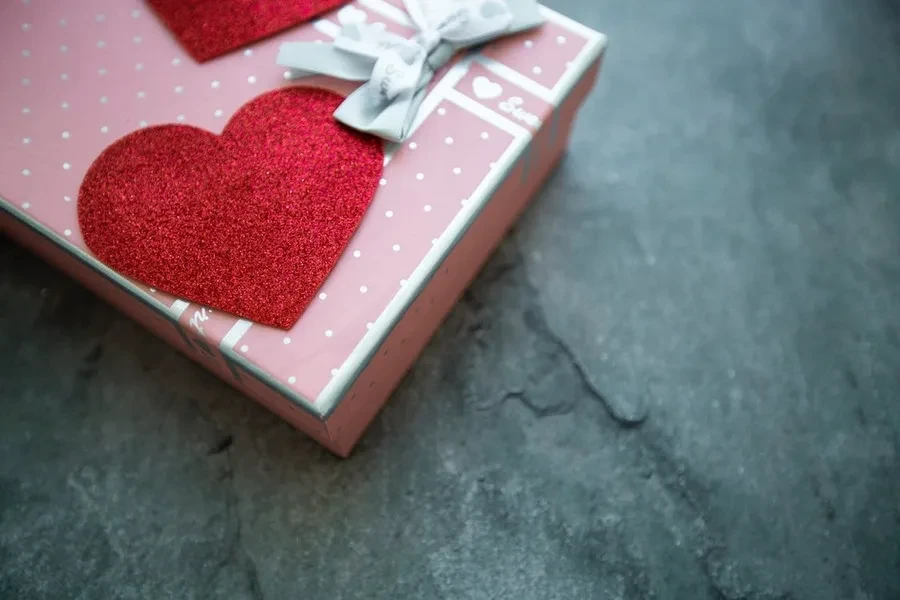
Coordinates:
(396, 71)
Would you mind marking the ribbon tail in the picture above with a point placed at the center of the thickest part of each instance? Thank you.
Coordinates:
(309, 58)
(392, 121)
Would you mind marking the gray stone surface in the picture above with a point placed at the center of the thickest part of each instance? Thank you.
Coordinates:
(722, 247)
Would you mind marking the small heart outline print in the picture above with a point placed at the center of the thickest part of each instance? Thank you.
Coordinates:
(485, 89)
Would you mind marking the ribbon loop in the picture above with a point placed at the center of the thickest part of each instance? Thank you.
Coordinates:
(396, 71)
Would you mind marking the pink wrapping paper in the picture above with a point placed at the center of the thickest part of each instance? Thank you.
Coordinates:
(76, 79)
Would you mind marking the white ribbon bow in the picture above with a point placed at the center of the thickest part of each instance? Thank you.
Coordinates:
(400, 63)
(397, 70)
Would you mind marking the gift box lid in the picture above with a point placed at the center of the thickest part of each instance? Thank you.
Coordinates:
(75, 80)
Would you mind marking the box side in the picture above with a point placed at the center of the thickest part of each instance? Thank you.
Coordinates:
(161, 320)
(411, 334)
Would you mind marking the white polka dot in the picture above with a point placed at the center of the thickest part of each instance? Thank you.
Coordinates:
(101, 71)
(248, 52)
(328, 333)
(64, 105)
(287, 75)
(286, 340)
(152, 290)
(251, 79)
(334, 372)
(137, 39)
(100, 18)
(403, 283)
(26, 53)
(464, 201)
(64, 76)
(218, 112)
(103, 99)
(139, 67)
(322, 296)
(180, 118)
(142, 94)
(63, 48)
(485, 135)
(104, 129)
(135, 14)
(26, 140)
(389, 213)
(66, 166)
(66, 135)
(383, 181)
(26, 173)
(560, 39)
(214, 84)
(67, 232)
(396, 247)
(529, 44)
(434, 241)
(413, 145)
(62, 22)
(292, 380)
(369, 325)
(357, 254)
(427, 208)
(448, 140)
(536, 70)
(26, 81)
(363, 289)
(142, 123)
(457, 170)
(179, 89)
(101, 44)
(176, 61)
(244, 348)
(67, 198)
(420, 176)
(26, 111)
(26, 205)
(26, 26)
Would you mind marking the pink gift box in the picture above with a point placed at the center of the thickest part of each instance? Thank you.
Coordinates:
(491, 129)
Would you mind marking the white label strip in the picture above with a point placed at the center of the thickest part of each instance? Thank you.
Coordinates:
(514, 77)
(178, 308)
(444, 86)
(234, 334)
(487, 114)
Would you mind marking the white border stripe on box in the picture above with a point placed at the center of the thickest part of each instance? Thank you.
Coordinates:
(479, 109)
(516, 78)
(234, 334)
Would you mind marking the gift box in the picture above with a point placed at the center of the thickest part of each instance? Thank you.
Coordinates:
(491, 126)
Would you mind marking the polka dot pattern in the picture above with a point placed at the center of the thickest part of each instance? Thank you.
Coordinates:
(85, 78)
(541, 54)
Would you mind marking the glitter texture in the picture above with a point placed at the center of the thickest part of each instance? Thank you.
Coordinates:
(210, 28)
(250, 222)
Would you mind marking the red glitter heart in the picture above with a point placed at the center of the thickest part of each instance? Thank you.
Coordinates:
(210, 28)
(250, 222)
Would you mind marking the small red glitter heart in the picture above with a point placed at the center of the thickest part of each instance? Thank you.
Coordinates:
(251, 221)
(210, 28)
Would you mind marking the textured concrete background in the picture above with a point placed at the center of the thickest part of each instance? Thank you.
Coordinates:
(722, 246)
